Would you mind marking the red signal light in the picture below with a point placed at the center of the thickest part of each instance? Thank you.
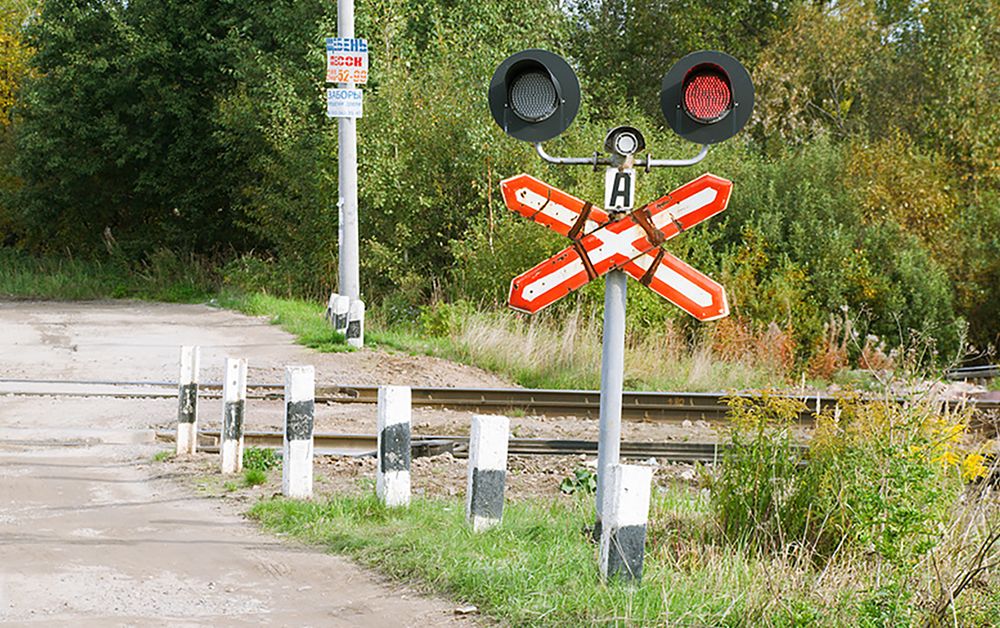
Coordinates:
(707, 94)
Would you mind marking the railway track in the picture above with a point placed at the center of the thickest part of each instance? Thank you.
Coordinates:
(636, 406)
(366, 444)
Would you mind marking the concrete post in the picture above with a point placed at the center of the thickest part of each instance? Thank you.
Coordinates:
(341, 308)
(297, 451)
(487, 471)
(349, 283)
(356, 325)
(187, 401)
(392, 479)
(234, 395)
(329, 308)
(626, 511)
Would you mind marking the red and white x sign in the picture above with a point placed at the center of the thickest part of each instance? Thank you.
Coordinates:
(630, 243)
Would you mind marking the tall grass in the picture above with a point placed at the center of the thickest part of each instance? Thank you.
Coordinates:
(165, 276)
(564, 350)
(69, 279)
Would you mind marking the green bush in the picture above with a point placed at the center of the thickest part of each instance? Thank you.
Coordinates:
(878, 478)
(260, 459)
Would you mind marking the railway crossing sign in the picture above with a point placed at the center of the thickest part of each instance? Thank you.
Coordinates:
(630, 242)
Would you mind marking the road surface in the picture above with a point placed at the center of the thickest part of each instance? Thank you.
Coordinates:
(91, 537)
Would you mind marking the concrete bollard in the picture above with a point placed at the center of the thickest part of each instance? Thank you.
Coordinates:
(626, 511)
(341, 309)
(330, 307)
(234, 395)
(356, 325)
(300, 404)
(392, 478)
(487, 471)
(187, 401)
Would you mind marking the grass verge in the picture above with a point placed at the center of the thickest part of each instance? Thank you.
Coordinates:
(306, 321)
(538, 569)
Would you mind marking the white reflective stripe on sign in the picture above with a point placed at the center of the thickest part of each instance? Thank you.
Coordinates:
(678, 282)
(612, 243)
(537, 288)
(688, 205)
(558, 212)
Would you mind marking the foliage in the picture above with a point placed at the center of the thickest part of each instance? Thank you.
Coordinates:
(582, 481)
(272, 131)
(797, 245)
(121, 134)
(14, 56)
(759, 497)
(260, 458)
(254, 477)
(166, 277)
(539, 567)
(879, 478)
(625, 47)
(866, 180)
(431, 153)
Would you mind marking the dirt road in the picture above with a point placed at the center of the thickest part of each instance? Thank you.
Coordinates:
(91, 537)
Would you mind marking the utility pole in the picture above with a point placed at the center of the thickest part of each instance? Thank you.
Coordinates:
(348, 280)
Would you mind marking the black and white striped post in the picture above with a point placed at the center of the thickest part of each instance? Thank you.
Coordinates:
(300, 404)
(356, 325)
(329, 308)
(187, 401)
(623, 533)
(392, 478)
(341, 308)
(234, 395)
(487, 471)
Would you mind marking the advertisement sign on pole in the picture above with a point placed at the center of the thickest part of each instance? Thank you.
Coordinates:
(344, 103)
(346, 60)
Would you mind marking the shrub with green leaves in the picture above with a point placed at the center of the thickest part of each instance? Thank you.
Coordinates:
(260, 459)
(877, 480)
(583, 480)
(760, 497)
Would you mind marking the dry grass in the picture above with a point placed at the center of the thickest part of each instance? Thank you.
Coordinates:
(564, 351)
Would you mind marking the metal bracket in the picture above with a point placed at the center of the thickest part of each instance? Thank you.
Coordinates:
(596, 161)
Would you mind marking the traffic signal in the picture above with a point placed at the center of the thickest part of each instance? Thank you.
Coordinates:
(534, 95)
(707, 97)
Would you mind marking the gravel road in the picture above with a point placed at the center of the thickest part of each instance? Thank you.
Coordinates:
(93, 535)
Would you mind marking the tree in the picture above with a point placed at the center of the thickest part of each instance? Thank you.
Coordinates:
(625, 47)
(430, 155)
(121, 138)
(14, 54)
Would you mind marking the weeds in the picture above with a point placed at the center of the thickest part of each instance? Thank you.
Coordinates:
(583, 480)
(254, 477)
(260, 459)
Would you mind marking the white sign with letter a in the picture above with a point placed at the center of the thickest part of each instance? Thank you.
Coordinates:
(619, 189)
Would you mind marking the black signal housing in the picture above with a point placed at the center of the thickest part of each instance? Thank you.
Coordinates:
(534, 95)
(707, 97)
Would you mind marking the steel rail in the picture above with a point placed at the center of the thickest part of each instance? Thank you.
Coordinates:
(366, 444)
(636, 405)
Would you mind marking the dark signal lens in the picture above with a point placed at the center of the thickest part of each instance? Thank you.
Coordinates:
(533, 96)
(707, 94)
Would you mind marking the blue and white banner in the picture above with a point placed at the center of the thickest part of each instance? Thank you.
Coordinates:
(344, 103)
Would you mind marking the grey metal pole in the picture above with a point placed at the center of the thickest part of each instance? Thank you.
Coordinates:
(612, 383)
(349, 283)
